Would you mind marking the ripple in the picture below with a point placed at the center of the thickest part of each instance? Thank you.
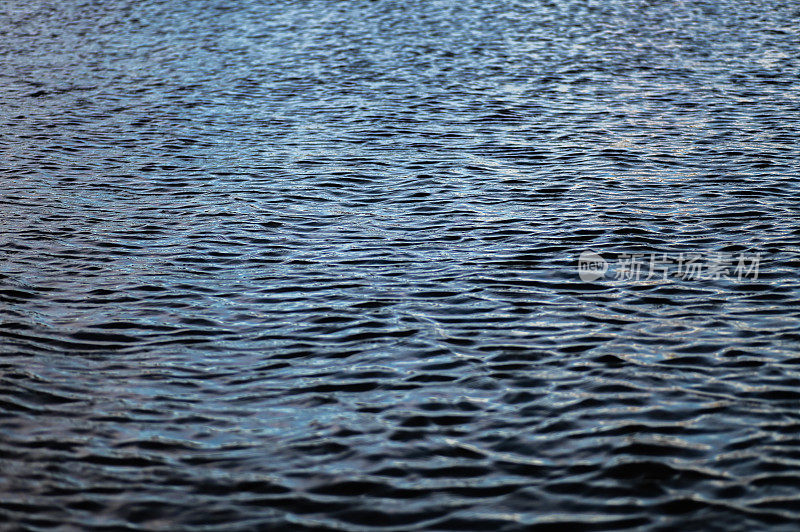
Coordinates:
(313, 267)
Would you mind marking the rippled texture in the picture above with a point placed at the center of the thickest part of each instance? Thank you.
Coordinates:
(312, 265)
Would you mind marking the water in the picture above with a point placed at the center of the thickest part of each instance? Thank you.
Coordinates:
(313, 265)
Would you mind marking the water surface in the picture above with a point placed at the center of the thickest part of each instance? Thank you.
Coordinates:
(312, 265)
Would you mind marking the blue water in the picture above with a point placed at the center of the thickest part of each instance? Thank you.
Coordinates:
(273, 265)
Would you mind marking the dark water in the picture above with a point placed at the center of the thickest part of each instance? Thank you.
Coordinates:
(312, 265)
